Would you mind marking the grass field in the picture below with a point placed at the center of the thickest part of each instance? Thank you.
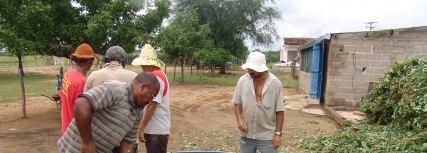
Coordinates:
(227, 79)
(28, 61)
(35, 84)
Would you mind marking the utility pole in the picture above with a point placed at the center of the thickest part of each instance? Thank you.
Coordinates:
(370, 25)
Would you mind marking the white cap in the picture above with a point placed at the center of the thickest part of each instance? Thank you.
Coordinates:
(256, 61)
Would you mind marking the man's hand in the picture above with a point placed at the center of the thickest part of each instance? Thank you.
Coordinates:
(241, 124)
(88, 147)
(141, 136)
(277, 141)
(149, 112)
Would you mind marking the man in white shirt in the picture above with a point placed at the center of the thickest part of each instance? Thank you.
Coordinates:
(154, 129)
(259, 107)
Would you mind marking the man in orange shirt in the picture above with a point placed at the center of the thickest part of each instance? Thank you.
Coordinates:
(74, 82)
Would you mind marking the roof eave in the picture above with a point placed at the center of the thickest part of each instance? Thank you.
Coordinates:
(315, 41)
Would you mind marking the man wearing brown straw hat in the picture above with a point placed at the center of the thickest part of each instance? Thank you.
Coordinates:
(155, 126)
(74, 81)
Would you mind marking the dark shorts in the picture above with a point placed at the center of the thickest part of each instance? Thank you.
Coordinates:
(156, 143)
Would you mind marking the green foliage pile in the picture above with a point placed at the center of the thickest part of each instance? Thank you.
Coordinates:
(396, 110)
(365, 137)
(400, 98)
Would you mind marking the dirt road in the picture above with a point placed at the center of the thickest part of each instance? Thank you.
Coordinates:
(202, 119)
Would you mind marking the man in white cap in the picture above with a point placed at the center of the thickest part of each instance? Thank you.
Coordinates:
(259, 107)
(154, 129)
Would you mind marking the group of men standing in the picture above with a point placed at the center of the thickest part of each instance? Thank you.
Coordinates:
(113, 107)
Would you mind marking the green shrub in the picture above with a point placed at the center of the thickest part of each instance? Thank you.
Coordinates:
(364, 137)
(400, 98)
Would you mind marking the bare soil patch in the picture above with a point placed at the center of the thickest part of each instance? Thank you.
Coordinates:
(202, 119)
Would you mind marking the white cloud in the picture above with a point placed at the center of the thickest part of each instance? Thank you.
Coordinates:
(313, 18)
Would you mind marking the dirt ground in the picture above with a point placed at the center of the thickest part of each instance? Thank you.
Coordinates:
(202, 119)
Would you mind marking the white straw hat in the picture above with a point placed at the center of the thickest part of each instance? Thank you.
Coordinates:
(256, 61)
(148, 56)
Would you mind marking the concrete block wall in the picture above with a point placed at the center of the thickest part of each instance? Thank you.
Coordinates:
(304, 79)
(356, 59)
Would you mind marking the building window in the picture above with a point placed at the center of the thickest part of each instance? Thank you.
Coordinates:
(306, 55)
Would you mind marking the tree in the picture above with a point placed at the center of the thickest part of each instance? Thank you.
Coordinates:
(183, 37)
(119, 23)
(25, 26)
(231, 22)
(55, 27)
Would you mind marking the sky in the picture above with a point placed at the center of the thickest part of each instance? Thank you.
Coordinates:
(314, 18)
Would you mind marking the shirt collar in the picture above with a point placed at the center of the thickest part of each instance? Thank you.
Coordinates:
(266, 84)
(113, 65)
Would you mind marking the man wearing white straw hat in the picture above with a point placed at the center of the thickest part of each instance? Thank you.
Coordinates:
(259, 107)
(154, 129)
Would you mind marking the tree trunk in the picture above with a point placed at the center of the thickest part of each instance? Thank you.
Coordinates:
(174, 69)
(182, 70)
(203, 70)
(293, 70)
(197, 69)
(21, 78)
(191, 66)
(213, 68)
(222, 69)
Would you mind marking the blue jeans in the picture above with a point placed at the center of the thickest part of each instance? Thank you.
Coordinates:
(251, 145)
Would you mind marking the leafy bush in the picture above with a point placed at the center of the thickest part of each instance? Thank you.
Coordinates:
(400, 98)
(364, 137)
(272, 56)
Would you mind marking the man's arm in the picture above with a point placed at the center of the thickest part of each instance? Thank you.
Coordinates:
(149, 112)
(126, 147)
(277, 140)
(83, 116)
(241, 124)
(279, 120)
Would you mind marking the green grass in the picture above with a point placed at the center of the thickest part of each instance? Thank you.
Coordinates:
(35, 84)
(32, 60)
(226, 79)
(206, 78)
(287, 80)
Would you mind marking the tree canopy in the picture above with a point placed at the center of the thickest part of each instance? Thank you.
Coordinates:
(231, 22)
(56, 27)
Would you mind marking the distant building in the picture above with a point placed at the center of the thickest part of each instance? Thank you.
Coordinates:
(340, 68)
(290, 47)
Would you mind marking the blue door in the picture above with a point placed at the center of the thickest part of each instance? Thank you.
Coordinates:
(316, 71)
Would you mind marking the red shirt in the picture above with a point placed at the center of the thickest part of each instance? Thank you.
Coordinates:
(72, 86)
(159, 73)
